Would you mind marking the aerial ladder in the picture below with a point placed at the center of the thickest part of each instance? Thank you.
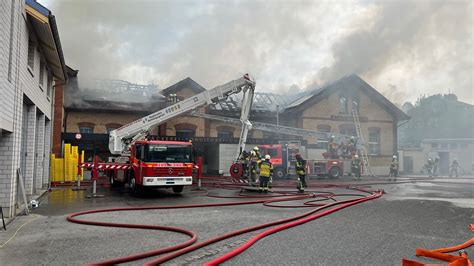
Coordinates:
(363, 149)
(121, 138)
(274, 128)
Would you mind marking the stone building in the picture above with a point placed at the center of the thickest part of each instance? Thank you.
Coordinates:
(31, 61)
(327, 109)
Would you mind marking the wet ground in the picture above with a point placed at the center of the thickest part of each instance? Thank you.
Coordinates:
(415, 212)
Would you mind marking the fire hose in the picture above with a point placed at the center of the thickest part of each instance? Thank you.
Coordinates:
(266, 200)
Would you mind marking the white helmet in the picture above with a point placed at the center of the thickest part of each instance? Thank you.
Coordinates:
(394, 156)
(267, 157)
(255, 148)
(356, 156)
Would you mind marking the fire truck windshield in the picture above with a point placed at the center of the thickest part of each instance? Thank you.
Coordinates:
(168, 153)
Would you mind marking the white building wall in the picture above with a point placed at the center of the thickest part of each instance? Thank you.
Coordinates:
(227, 154)
(19, 86)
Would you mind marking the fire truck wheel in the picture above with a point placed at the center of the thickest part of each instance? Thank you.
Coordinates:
(335, 172)
(236, 170)
(279, 173)
(178, 189)
(134, 187)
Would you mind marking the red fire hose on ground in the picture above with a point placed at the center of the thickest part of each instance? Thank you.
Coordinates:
(314, 199)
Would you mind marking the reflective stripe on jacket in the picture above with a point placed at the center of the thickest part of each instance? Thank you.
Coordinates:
(300, 165)
(266, 168)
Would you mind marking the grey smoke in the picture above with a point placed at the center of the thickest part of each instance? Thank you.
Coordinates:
(402, 48)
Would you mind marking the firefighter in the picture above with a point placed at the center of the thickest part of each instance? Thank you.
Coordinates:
(435, 166)
(352, 146)
(301, 172)
(332, 147)
(254, 160)
(393, 169)
(266, 171)
(356, 165)
(454, 168)
(430, 167)
(244, 160)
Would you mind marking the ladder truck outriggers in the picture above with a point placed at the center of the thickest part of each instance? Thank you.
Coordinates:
(167, 164)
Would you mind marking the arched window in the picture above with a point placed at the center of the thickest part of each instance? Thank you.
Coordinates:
(86, 127)
(112, 126)
(225, 132)
(185, 131)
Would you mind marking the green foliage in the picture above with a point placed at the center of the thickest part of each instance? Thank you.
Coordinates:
(436, 117)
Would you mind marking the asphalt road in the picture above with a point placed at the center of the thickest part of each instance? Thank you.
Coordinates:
(414, 213)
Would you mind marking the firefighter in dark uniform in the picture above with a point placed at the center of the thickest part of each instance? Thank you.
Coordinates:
(245, 160)
(266, 171)
(393, 169)
(332, 148)
(356, 165)
(254, 161)
(435, 166)
(454, 168)
(301, 172)
(430, 167)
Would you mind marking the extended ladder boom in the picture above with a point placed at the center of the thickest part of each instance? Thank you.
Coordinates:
(121, 138)
(274, 128)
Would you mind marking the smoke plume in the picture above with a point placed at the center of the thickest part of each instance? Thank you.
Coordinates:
(402, 48)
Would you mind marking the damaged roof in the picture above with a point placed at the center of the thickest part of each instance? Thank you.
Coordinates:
(351, 82)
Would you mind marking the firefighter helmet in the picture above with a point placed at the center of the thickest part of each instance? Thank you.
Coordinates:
(267, 157)
(356, 156)
(255, 148)
(394, 156)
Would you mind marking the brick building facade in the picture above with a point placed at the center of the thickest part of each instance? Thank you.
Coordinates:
(31, 60)
(326, 109)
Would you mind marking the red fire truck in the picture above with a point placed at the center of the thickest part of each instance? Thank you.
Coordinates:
(150, 163)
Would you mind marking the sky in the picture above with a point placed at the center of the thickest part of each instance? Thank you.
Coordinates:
(402, 48)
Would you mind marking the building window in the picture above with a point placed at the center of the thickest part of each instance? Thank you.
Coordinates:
(112, 126)
(323, 143)
(343, 104)
(49, 83)
(41, 74)
(434, 145)
(453, 146)
(355, 103)
(348, 129)
(225, 134)
(31, 54)
(374, 141)
(185, 131)
(86, 127)
(185, 134)
(444, 146)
